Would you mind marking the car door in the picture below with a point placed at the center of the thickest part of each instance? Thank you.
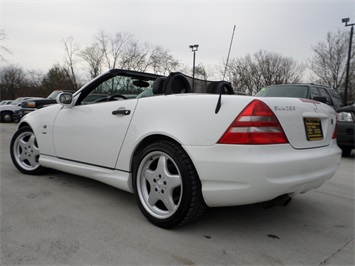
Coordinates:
(93, 133)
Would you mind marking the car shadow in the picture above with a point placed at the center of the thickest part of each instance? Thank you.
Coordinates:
(245, 219)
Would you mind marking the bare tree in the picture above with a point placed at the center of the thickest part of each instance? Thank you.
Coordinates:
(33, 84)
(133, 56)
(112, 46)
(351, 84)
(166, 63)
(274, 68)
(150, 59)
(201, 72)
(72, 50)
(251, 73)
(239, 73)
(93, 58)
(12, 81)
(123, 50)
(328, 63)
(159, 60)
(3, 49)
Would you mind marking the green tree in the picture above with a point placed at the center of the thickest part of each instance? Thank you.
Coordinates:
(56, 79)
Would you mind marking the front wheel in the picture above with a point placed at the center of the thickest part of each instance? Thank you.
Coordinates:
(167, 186)
(6, 117)
(24, 151)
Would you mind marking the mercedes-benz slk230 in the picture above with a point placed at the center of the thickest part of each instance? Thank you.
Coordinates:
(182, 145)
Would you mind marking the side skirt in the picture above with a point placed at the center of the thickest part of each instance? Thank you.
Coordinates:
(112, 177)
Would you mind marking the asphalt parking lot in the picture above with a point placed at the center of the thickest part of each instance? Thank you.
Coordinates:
(62, 219)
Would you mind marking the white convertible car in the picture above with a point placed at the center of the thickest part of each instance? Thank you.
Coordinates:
(182, 145)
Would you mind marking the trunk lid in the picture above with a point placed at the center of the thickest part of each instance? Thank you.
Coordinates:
(306, 123)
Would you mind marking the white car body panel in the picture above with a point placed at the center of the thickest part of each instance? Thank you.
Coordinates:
(41, 121)
(89, 141)
(92, 132)
(115, 178)
(244, 175)
(9, 107)
(286, 112)
(194, 113)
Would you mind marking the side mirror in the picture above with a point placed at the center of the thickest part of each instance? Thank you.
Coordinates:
(66, 99)
(321, 99)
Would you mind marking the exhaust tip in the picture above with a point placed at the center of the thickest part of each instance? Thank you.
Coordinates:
(282, 200)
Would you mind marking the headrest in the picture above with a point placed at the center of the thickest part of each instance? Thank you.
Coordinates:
(177, 83)
(220, 87)
(158, 85)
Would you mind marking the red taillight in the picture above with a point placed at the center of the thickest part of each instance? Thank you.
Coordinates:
(335, 132)
(256, 124)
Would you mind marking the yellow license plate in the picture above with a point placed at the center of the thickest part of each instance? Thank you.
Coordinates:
(313, 128)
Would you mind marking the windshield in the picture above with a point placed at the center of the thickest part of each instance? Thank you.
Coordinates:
(16, 101)
(283, 91)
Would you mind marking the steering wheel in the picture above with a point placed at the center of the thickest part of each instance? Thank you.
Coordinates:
(112, 97)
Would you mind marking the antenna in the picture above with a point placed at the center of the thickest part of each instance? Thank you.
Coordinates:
(219, 102)
(230, 47)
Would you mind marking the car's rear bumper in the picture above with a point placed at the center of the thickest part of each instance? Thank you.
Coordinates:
(245, 174)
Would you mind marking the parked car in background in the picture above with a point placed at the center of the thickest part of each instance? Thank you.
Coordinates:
(183, 148)
(307, 91)
(345, 129)
(30, 105)
(8, 111)
(5, 102)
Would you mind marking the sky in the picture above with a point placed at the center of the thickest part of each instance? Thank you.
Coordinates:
(34, 28)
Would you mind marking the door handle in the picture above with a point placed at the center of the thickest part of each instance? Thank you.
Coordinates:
(121, 112)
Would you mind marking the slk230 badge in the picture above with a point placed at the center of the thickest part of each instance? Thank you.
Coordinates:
(288, 108)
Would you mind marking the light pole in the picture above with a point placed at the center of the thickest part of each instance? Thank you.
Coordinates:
(194, 48)
(346, 20)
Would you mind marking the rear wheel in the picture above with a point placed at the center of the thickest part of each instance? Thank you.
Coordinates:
(346, 151)
(167, 186)
(24, 151)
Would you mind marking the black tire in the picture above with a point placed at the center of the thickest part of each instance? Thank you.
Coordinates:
(25, 152)
(6, 117)
(166, 185)
(346, 151)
